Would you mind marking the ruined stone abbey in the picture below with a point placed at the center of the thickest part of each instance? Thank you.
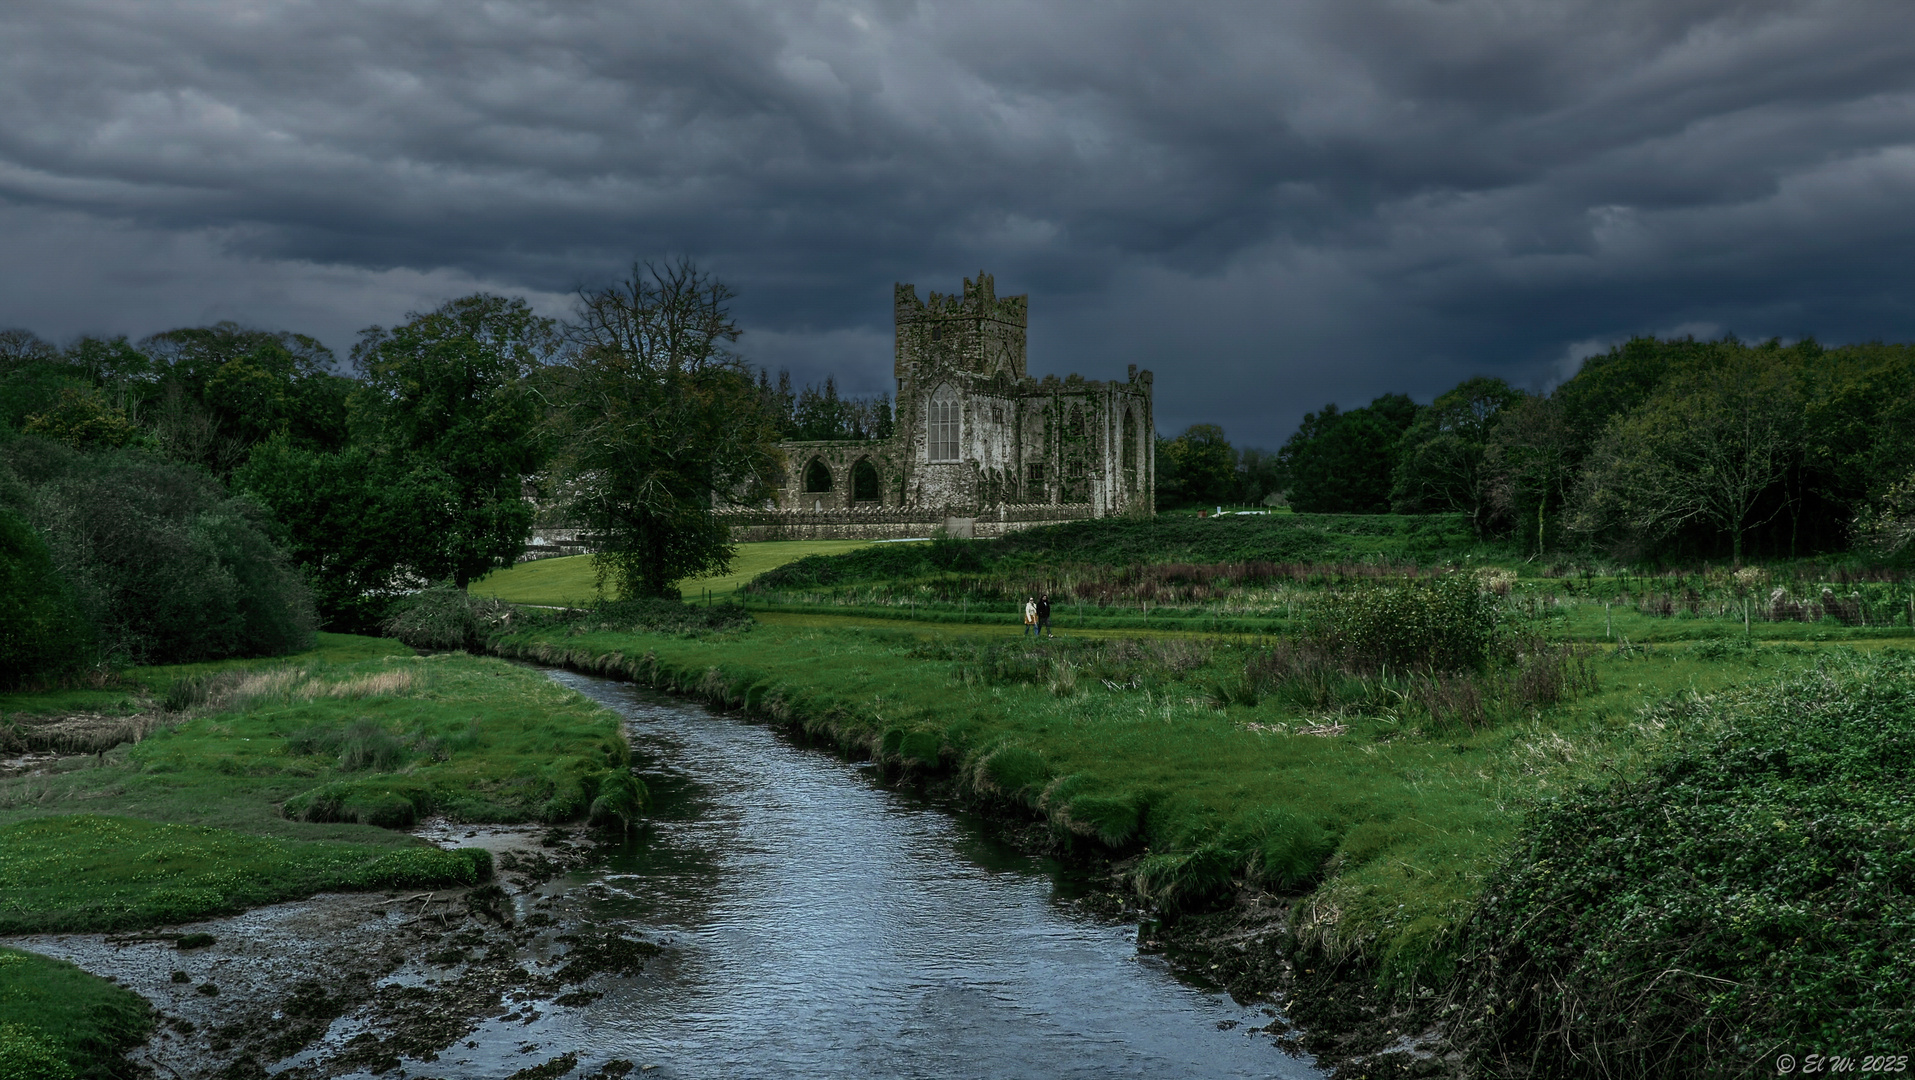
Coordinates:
(980, 447)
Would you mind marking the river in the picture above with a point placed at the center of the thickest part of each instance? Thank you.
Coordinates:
(808, 921)
(824, 925)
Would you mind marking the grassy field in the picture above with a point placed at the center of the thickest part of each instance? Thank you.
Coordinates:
(572, 580)
(272, 780)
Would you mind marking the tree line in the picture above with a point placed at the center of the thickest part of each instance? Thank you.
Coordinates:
(222, 490)
(1658, 448)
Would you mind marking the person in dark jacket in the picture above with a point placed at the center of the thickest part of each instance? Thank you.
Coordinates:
(1044, 616)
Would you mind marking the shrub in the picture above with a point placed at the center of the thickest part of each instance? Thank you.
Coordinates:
(166, 567)
(1440, 624)
(446, 618)
(1747, 894)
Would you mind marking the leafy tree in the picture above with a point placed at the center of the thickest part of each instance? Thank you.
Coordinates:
(42, 632)
(1888, 525)
(166, 565)
(83, 420)
(1342, 462)
(341, 522)
(446, 403)
(1203, 467)
(814, 413)
(213, 392)
(33, 375)
(656, 420)
(1530, 460)
(1706, 447)
(1259, 475)
(1442, 455)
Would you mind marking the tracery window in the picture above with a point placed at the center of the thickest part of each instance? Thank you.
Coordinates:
(941, 427)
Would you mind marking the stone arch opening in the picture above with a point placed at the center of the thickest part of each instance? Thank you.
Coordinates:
(865, 483)
(817, 477)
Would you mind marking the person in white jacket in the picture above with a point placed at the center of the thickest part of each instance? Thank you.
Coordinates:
(1030, 615)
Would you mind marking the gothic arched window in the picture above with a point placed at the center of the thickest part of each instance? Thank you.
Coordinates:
(817, 478)
(941, 425)
(864, 481)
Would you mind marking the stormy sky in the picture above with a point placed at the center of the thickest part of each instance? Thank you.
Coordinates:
(1273, 205)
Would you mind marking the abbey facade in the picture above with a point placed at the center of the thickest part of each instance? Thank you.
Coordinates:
(980, 448)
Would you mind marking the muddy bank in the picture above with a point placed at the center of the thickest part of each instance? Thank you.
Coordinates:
(355, 984)
(1334, 1015)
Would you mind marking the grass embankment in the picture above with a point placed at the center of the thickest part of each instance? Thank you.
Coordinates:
(573, 581)
(277, 779)
(1155, 747)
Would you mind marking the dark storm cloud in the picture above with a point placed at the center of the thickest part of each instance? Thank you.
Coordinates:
(1272, 205)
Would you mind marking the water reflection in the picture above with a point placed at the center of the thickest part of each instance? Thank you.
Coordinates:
(823, 926)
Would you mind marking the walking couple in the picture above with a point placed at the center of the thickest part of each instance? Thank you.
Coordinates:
(1037, 616)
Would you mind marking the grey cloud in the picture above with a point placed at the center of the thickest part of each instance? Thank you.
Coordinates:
(1273, 205)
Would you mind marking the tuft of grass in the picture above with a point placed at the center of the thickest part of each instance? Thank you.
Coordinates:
(59, 1023)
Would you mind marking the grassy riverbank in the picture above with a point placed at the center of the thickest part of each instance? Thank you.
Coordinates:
(261, 781)
(1393, 819)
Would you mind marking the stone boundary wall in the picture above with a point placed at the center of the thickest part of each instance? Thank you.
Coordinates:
(876, 523)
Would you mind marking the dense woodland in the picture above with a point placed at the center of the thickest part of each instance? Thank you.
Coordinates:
(1659, 449)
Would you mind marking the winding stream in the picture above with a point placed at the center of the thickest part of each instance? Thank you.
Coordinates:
(820, 925)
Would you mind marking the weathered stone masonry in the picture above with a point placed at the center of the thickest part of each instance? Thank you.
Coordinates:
(977, 439)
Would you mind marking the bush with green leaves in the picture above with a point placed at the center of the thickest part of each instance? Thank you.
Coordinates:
(1440, 624)
(166, 566)
(1746, 896)
(445, 618)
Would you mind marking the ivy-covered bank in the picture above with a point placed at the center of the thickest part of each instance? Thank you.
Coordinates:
(1423, 853)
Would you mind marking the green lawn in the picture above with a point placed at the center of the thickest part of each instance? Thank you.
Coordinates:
(572, 580)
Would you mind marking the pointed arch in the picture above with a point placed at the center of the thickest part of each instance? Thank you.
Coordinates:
(943, 424)
(817, 477)
(866, 484)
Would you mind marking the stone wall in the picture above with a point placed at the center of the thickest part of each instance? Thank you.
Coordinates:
(897, 523)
